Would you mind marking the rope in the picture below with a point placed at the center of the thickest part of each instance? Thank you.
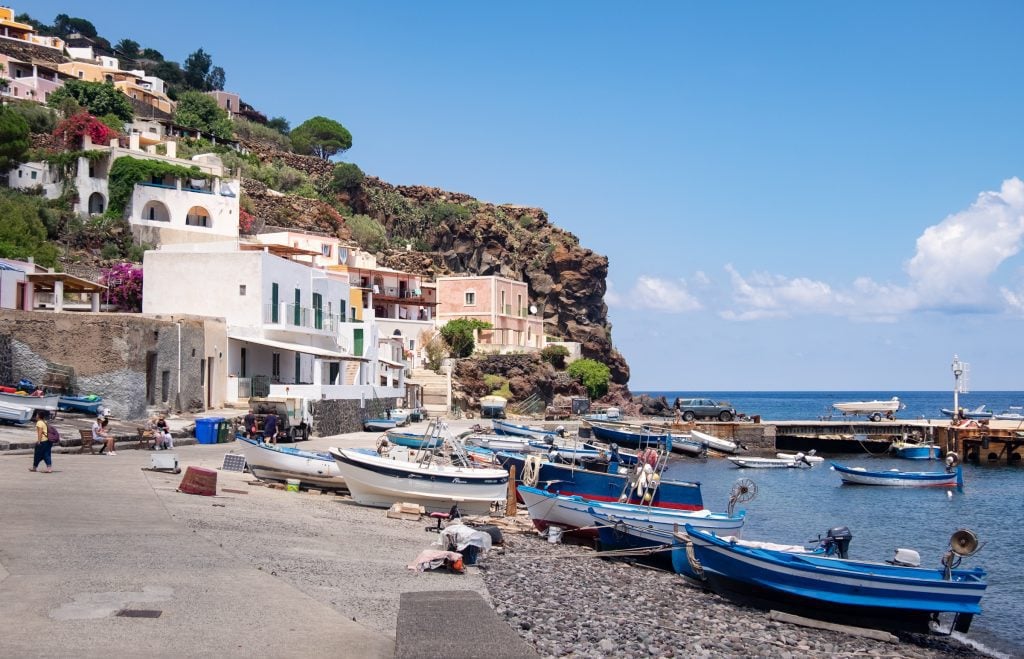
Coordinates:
(531, 470)
(695, 565)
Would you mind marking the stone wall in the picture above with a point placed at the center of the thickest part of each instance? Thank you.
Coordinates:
(109, 355)
(337, 416)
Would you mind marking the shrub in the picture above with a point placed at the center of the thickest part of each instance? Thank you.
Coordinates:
(199, 111)
(347, 176)
(440, 212)
(555, 355)
(124, 286)
(14, 139)
(246, 220)
(73, 130)
(494, 382)
(250, 130)
(40, 118)
(368, 232)
(434, 347)
(110, 251)
(23, 232)
(458, 334)
(592, 374)
(98, 98)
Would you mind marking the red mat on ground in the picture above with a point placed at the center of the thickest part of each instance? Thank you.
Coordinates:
(199, 480)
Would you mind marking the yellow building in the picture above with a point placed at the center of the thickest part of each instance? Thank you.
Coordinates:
(12, 29)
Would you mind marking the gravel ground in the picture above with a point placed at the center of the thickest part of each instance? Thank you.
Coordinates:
(566, 602)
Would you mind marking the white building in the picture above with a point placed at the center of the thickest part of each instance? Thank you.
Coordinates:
(285, 335)
(168, 209)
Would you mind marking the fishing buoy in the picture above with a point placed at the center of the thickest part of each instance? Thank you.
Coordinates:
(647, 498)
(949, 494)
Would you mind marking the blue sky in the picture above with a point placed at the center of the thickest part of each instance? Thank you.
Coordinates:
(792, 195)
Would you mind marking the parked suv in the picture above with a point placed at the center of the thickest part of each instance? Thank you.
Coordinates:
(691, 408)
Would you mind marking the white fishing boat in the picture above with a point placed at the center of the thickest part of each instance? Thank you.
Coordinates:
(714, 443)
(809, 456)
(48, 403)
(799, 462)
(15, 413)
(380, 482)
(871, 408)
(281, 463)
(505, 443)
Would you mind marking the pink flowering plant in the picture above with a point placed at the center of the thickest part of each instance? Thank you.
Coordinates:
(246, 220)
(124, 286)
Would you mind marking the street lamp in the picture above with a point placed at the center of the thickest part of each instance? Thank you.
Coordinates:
(958, 371)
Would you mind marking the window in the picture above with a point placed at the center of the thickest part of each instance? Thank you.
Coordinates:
(275, 365)
(298, 308)
(470, 298)
(341, 310)
(325, 249)
(81, 74)
(241, 289)
(274, 310)
(357, 342)
(519, 306)
(502, 309)
(241, 365)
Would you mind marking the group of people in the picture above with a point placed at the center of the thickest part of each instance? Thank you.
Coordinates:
(162, 439)
(270, 427)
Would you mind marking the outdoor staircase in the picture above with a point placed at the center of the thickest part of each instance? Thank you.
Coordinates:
(435, 390)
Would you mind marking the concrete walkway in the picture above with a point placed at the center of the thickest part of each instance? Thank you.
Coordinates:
(94, 538)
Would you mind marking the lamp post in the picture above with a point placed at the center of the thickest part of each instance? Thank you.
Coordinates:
(958, 371)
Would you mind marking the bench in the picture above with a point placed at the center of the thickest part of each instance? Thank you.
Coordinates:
(87, 442)
(147, 438)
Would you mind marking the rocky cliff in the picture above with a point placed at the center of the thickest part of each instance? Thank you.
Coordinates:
(435, 232)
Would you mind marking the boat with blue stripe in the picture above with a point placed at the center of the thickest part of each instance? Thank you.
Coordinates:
(281, 463)
(414, 440)
(952, 477)
(915, 450)
(824, 583)
(87, 404)
(503, 427)
(632, 436)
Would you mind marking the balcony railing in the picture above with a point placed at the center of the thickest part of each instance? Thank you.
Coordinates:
(291, 315)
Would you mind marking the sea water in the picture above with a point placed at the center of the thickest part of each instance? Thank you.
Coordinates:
(794, 506)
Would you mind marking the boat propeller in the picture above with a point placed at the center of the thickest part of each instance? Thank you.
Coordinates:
(744, 490)
(962, 543)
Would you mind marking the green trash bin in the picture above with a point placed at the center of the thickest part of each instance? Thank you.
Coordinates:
(223, 428)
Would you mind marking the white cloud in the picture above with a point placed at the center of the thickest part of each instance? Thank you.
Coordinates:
(1014, 300)
(763, 295)
(655, 294)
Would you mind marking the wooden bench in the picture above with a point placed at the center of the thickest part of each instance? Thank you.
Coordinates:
(147, 439)
(87, 442)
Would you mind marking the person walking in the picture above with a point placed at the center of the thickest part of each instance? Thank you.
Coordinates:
(44, 446)
(270, 428)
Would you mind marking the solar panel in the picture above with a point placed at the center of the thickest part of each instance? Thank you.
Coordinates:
(233, 462)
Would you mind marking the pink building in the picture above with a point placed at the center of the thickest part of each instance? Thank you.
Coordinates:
(504, 303)
(29, 81)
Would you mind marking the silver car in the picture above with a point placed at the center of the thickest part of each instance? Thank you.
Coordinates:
(705, 408)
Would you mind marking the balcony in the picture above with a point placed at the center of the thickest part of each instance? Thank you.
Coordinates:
(299, 317)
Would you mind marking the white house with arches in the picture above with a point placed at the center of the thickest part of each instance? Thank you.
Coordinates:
(168, 209)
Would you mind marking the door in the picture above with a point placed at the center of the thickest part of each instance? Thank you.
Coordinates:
(151, 378)
(209, 382)
(274, 302)
(241, 364)
(357, 342)
(298, 308)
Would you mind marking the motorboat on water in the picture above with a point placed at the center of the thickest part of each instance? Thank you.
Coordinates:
(809, 456)
(915, 450)
(1011, 413)
(873, 409)
(714, 443)
(979, 412)
(951, 477)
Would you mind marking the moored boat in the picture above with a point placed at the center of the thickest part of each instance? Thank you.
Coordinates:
(715, 443)
(380, 482)
(86, 404)
(951, 477)
(15, 413)
(809, 456)
(281, 463)
(1011, 413)
(826, 584)
(915, 450)
(414, 440)
(48, 403)
(631, 436)
(505, 443)
(799, 461)
(874, 409)
(978, 412)
(493, 407)
(503, 427)
(570, 480)
(373, 425)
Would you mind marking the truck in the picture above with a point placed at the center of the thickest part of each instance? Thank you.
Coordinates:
(295, 421)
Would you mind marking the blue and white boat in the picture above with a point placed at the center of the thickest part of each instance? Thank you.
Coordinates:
(378, 481)
(503, 427)
(952, 477)
(86, 404)
(826, 584)
(414, 440)
(631, 436)
(915, 450)
(571, 480)
(978, 412)
(281, 463)
(374, 425)
(582, 515)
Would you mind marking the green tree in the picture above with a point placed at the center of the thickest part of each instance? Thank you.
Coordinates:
(128, 47)
(555, 355)
(22, 232)
(347, 176)
(592, 374)
(99, 98)
(152, 55)
(458, 334)
(321, 137)
(40, 118)
(199, 111)
(201, 74)
(280, 124)
(14, 140)
(65, 25)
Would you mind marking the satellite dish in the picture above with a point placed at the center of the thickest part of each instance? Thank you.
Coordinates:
(533, 308)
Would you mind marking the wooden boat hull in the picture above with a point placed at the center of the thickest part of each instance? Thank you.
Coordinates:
(379, 482)
(15, 413)
(856, 476)
(876, 594)
(280, 463)
(84, 404)
(631, 437)
(768, 463)
(574, 513)
(602, 486)
(47, 403)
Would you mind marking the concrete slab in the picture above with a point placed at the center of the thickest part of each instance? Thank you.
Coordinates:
(96, 537)
(454, 624)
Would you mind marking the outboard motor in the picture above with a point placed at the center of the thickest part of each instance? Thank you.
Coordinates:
(837, 541)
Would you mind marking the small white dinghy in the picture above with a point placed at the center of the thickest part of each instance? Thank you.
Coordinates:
(282, 463)
(809, 456)
(798, 462)
(714, 443)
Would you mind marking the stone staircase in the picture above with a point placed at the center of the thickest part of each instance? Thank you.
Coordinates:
(435, 390)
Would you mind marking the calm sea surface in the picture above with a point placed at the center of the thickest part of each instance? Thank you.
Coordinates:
(794, 506)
